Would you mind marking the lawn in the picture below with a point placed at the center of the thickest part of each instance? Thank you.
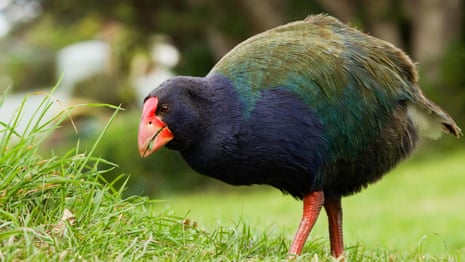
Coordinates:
(418, 206)
(60, 208)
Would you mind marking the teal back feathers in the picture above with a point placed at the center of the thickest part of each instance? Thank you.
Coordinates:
(353, 82)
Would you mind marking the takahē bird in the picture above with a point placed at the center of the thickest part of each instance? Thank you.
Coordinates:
(314, 108)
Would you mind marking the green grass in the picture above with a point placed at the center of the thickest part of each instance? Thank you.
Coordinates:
(59, 208)
(418, 208)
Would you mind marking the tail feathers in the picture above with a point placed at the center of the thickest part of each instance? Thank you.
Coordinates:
(431, 120)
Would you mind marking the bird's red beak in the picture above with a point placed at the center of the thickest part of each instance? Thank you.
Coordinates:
(153, 132)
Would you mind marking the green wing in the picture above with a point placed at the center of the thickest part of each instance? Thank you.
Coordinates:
(318, 58)
(354, 82)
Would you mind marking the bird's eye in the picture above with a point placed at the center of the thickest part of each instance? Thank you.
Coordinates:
(164, 108)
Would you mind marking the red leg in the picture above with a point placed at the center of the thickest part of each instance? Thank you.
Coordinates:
(334, 211)
(312, 206)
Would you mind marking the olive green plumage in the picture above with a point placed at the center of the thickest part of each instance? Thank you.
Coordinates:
(319, 58)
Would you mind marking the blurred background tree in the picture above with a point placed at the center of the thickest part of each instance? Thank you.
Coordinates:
(35, 33)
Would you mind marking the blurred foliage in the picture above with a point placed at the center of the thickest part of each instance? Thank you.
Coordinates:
(27, 67)
(202, 30)
(30, 62)
(50, 34)
(452, 90)
(97, 88)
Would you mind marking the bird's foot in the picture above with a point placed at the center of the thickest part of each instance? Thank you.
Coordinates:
(341, 258)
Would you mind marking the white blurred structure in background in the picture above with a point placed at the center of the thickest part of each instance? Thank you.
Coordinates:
(165, 57)
(80, 61)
